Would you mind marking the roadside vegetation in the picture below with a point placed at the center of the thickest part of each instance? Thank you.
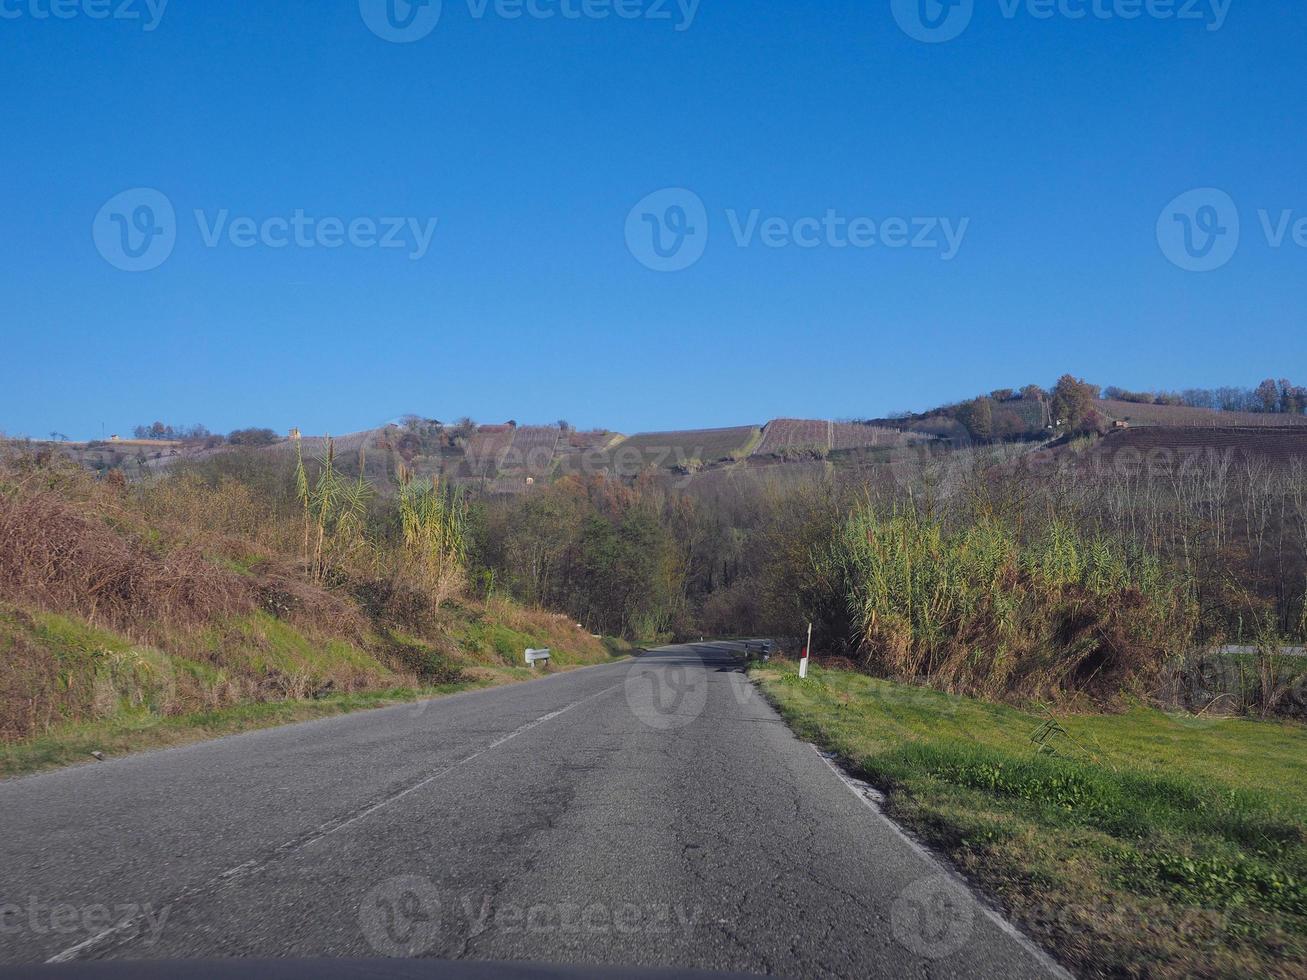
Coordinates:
(140, 614)
(1138, 843)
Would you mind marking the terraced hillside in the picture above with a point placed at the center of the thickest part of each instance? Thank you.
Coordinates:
(857, 435)
(686, 450)
(793, 437)
(1166, 446)
(485, 448)
(1137, 413)
(533, 449)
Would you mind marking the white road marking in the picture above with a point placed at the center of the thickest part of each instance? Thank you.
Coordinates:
(319, 833)
(871, 797)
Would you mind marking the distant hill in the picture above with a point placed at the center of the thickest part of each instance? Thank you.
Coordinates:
(1138, 413)
(507, 458)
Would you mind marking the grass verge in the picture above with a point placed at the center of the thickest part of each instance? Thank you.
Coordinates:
(1135, 844)
(139, 730)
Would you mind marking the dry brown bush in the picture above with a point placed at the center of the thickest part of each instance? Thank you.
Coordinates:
(59, 553)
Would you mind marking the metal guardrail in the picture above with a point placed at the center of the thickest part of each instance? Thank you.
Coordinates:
(532, 656)
(1250, 650)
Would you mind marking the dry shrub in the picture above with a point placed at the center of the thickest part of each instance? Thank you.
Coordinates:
(282, 592)
(190, 506)
(59, 554)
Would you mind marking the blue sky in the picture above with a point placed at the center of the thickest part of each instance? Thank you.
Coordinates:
(1058, 141)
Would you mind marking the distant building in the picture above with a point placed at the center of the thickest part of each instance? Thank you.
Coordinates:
(113, 438)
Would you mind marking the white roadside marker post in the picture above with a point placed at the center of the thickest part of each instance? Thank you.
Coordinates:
(803, 661)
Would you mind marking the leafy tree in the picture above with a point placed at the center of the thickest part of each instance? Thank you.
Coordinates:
(978, 417)
(1268, 394)
(1291, 397)
(252, 437)
(1073, 403)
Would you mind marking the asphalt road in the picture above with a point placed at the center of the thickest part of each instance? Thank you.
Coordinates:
(655, 813)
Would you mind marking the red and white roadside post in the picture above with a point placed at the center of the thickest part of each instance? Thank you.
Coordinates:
(803, 661)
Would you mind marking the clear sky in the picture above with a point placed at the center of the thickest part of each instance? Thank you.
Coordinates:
(1053, 146)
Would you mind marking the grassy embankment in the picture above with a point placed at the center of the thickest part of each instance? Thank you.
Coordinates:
(120, 696)
(1129, 844)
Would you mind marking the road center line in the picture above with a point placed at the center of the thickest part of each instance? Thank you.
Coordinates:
(132, 924)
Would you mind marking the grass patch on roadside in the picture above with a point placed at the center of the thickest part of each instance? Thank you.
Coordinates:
(1135, 844)
(139, 731)
(90, 689)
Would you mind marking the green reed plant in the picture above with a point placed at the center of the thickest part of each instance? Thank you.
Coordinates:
(985, 606)
(334, 509)
(434, 522)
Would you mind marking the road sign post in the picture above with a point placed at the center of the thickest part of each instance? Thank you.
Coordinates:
(803, 661)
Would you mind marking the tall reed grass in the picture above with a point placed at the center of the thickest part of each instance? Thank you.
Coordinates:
(992, 608)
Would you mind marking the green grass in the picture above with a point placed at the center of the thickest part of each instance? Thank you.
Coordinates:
(262, 644)
(1131, 844)
(138, 731)
(491, 641)
(98, 691)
